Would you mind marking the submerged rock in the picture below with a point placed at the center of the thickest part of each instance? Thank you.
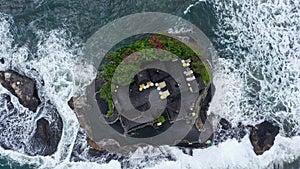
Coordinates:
(2, 60)
(227, 131)
(225, 124)
(262, 136)
(22, 87)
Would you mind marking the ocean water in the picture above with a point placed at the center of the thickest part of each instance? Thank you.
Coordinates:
(257, 75)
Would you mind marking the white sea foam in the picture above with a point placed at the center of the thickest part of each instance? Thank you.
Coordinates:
(258, 79)
(84, 165)
(232, 154)
(56, 63)
(188, 9)
(229, 92)
(64, 76)
(264, 49)
(5, 38)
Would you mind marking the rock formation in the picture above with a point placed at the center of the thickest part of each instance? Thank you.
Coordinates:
(47, 133)
(47, 136)
(22, 87)
(262, 136)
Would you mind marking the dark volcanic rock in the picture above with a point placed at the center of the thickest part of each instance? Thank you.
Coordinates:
(22, 87)
(20, 131)
(225, 124)
(2, 60)
(262, 137)
(47, 135)
(86, 149)
(226, 131)
(43, 130)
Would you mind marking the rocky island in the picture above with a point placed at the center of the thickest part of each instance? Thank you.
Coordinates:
(130, 81)
(152, 85)
(147, 88)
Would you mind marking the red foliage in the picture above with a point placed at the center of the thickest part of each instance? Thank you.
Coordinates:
(155, 41)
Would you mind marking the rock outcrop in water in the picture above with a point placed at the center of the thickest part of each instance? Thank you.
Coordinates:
(87, 150)
(227, 131)
(262, 136)
(22, 87)
(47, 136)
(48, 130)
(42, 131)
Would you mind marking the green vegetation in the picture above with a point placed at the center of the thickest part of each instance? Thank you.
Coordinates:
(132, 57)
(104, 94)
(199, 68)
(161, 119)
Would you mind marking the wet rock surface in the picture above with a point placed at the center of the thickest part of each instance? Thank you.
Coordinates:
(21, 132)
(34, 132)
(94, 145)
(2, 60)
(75, 103)
(47, 135)
(87, 150)
(22, 87)
(262, 136)
(225, 125)
(202, 125)
(43, 130)
(226, 131)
